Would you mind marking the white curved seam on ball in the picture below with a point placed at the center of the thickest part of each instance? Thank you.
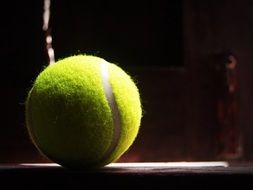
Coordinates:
(114, 109)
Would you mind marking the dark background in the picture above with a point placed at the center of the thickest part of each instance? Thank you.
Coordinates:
(165, 45)
(130, 33)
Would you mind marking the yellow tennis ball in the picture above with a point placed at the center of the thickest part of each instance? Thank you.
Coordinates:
(83, 112)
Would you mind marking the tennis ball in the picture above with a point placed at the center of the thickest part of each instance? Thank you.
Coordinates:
(83, 112)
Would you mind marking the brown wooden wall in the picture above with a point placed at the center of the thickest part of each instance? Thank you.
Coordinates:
(212, 30)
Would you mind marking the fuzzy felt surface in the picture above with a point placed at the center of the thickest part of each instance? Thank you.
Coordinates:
(127, 98)
(68, 116)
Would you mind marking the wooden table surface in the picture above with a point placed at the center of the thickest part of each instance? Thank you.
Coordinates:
(127, 176)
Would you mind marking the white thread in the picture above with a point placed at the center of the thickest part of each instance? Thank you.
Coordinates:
(114, 109)
(45, 27)
(46, 14)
